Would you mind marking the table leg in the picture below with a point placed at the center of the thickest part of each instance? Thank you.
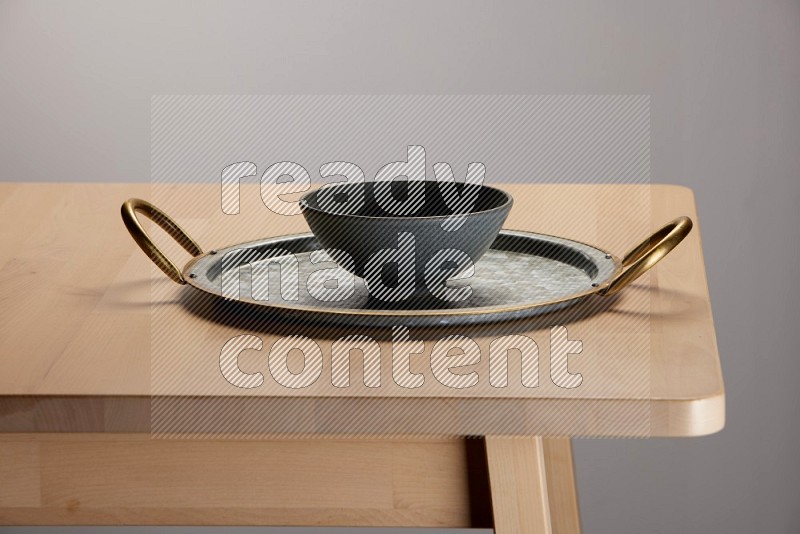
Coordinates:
(532, 484)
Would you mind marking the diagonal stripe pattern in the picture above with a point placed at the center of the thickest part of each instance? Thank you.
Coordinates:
(229, 140)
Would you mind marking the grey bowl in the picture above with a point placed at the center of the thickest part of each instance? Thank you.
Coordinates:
(353, 218)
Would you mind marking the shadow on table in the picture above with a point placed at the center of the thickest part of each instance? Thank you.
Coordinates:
(244, 316)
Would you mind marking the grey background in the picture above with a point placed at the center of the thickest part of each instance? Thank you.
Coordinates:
(724, 79)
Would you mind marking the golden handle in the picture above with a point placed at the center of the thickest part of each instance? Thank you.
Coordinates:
(649, 252)
(129, 209)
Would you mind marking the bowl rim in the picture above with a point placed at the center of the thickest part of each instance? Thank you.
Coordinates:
(304, 205)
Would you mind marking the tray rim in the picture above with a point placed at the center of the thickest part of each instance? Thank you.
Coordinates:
(407, 313)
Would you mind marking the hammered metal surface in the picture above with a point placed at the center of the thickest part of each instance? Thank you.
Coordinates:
(522, 274)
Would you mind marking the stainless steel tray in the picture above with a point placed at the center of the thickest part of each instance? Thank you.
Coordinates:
(523, 274)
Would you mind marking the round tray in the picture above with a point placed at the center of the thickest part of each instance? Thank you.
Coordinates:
(523, 274)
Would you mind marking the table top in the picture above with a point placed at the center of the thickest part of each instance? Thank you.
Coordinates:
(83, 307)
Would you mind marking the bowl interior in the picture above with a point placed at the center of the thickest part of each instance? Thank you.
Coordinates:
(346, 199)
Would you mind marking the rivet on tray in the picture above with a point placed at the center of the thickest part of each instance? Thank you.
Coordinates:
(212, 251)
(192, 275)
(595, 284)
(608, 256)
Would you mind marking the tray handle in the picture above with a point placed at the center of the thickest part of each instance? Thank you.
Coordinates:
(649, 252)
(129, 209)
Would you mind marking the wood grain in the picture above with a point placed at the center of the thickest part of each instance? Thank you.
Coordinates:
(533, 485)
(517, 474)
(562, 493)
(119, 479)
(76, 345)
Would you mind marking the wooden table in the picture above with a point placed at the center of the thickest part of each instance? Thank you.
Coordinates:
(76, 386)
